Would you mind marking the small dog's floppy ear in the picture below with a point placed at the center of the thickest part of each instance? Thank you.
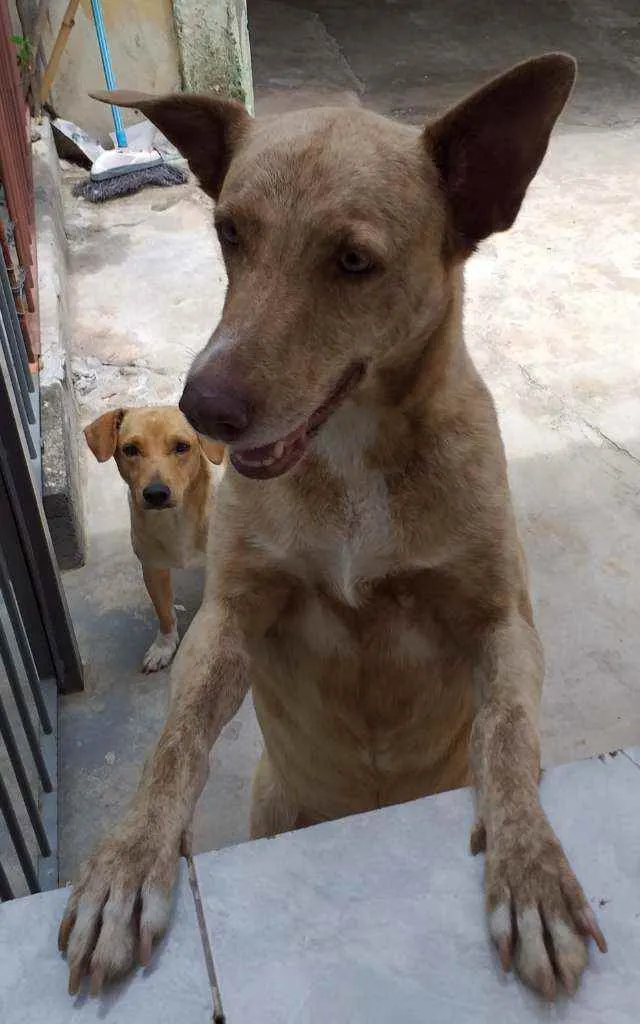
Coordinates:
(205, 129)
(212, 449)
(488, 148)
(102, 434)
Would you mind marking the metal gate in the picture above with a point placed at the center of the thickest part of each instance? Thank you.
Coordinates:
(38, 651)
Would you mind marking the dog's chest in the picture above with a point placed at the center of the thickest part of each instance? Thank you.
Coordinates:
(351, 542)
(349, 557)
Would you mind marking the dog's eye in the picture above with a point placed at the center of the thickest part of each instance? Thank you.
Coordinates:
(130, 450)
(182, 446)
(227, 232)
(354, 262)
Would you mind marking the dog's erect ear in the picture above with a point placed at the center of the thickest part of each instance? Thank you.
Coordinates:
(102, 434)
(212, 449)
(205, 129)
(488, 148)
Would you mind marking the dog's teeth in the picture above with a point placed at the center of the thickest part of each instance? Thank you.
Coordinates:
(278, 450)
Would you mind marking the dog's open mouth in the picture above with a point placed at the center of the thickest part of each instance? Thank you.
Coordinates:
(274, 459)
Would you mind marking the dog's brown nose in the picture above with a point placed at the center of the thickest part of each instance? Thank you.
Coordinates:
(214, 410)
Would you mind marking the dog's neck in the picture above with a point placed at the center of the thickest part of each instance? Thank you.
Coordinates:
(414, 381)
(427, 364)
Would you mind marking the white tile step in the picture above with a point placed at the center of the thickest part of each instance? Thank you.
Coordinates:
(375, 919)
(379, 919)
(33, 975)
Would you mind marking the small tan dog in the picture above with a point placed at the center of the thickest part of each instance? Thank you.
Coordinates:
(165, 464)
(368, 584)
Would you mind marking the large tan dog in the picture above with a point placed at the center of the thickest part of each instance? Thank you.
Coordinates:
(165, 465)
(368, 583)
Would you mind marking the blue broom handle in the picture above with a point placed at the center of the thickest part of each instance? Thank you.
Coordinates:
(96, 9)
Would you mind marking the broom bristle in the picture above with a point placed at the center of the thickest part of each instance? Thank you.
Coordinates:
(125, 184)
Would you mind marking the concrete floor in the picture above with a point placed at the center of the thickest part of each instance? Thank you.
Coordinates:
(146, 286)
(551, 320)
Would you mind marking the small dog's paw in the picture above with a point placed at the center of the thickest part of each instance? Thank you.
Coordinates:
(161, 652)
(539, 918)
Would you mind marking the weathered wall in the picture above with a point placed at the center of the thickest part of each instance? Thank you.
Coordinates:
(143, 52)
(213, 41)
(156, 46)
(144, 55)
(16, 26)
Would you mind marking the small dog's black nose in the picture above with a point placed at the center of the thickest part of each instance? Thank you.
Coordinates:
(157, 494)
(215, 410)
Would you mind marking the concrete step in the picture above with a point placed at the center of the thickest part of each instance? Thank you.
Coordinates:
(376, 918)
(33, 975)
(380, 918)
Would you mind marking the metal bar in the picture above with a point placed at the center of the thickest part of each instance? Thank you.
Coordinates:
(45, 580)
(11, 370)
(48, 866)
(23, 782)
(13, 268)
(5, 888)
(35, 541)
(23, 586)
(22, 640)
(14, 682)
(13, 825)
(18, 312)
(19, 400)
(16, 341)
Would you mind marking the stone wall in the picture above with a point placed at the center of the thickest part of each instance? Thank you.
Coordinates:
(213, 42)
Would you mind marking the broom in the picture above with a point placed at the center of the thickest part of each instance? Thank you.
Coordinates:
(120, 171)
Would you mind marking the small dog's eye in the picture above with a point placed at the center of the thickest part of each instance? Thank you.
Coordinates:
(182, 446)
(130, 450)
(227, 232)
(354, 262)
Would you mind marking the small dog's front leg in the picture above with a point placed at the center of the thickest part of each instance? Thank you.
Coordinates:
(539, 917)
(165, 645)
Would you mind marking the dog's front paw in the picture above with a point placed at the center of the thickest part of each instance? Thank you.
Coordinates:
(161, 652)
(539, 917)
(120, 905)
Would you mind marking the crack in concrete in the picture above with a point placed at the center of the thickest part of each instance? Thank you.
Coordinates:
(218, 1012)
(360, 84)
(82, 369)
(610, 441)
(629, 758)
(571, 411)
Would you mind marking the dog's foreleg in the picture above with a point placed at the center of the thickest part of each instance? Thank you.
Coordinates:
(121, 902)
(538, 914)
(163, 648)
